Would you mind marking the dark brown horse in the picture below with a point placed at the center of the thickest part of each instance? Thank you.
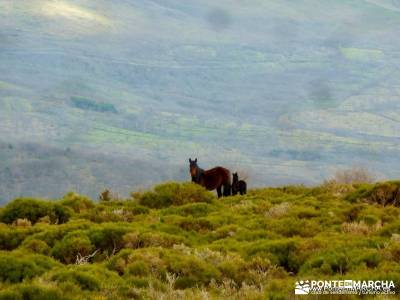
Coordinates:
(215, 178)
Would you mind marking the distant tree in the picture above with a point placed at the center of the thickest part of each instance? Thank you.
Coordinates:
(105, 195)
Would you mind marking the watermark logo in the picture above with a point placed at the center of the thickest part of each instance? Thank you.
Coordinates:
(302, 287)
(340, 287)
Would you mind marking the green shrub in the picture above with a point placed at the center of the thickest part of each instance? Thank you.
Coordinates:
(32, 292)
(383, 193)
(37, 246)
(360, 193)
(12, 237)
(342, 260)
(277, 251)
(191, 209)
(85, 280)
(369, 219)
(227, 231)
(196, 224)
(389, 229)
(369, 258)
(77, 203)
(71, 245)
(138, 268)
(108, 237)
(290, 227)
(151, 257)
(54, 233)
(151, 239)
(304, 212)
(390, 214)
(160, 239)
(328, 265)
(190, 270)
(393, 251)
(168, 194)
(235, 269)
(135, 209)
(115, 212)
(17, 266)
(33, 210)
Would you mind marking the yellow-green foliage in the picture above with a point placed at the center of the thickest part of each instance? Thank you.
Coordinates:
(179, 241)
(165, 195)
(33, 210)
(77, 202)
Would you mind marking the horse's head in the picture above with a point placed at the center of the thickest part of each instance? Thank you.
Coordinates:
(193, 167)
(235, 177)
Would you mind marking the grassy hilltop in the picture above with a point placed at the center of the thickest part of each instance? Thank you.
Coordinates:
(178, 241)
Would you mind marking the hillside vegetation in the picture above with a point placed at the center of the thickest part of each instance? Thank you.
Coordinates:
(178, 241)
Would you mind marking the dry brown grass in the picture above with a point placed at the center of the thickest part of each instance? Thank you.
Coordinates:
(278, 211)
(360, 228)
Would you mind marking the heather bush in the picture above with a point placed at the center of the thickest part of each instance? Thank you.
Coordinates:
(12, 237)
(17, 266)
(108, 237)
(168, 194)
(36, 246)
(72, 245)
(32, 292)
(77, 203)
(192, 209)
(33, 210)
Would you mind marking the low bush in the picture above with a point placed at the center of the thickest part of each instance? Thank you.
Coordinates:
(137, 240)
(36, 246)
(382, 193)
(191, 209)
(190, 270)
(33, 210)
(108, 237)
(77, 203)
(277, 251)
(12, 237)
(28, 291)
(72, 245)
(85, 280)
(17, 266)
(168, 194)
(151, 257)
(107, 212)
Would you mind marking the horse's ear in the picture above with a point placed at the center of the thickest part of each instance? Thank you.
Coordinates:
(195, 160)
(190, 160)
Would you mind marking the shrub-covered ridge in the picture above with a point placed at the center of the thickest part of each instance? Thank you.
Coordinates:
(179, 241)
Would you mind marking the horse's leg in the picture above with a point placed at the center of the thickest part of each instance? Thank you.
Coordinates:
(227, 190)
(219, 192)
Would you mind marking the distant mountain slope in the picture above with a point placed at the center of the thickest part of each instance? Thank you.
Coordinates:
(285, 91)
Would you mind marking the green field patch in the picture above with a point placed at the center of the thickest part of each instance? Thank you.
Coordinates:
(359, 54)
